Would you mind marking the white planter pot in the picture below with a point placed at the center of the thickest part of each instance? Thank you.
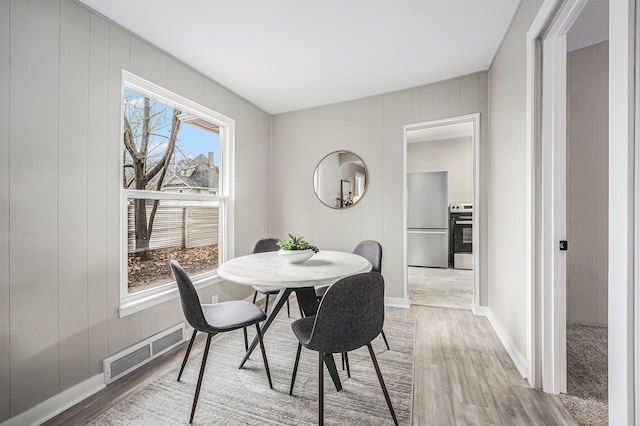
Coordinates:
(296, 256)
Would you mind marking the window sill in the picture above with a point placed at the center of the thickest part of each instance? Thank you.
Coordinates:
(140, 302)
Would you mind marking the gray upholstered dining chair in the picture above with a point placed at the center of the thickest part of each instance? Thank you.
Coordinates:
(213, 319)
(261, 246)
(372, 251)
(350, 315)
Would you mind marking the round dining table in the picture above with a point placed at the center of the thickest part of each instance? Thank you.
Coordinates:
(270, 269)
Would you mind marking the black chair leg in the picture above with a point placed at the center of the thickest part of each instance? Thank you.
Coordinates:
(264, 355)
(385, 340)
(186, 355)
(288, 309)
(381, 380)
(346, 361)
(295, 369)
(342, 360)
(204, 364)
(255, 295)
(266, 304)
(246, 339)
(321, 389)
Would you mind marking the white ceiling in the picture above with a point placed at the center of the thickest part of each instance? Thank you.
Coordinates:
(286, 55)
(591, 26)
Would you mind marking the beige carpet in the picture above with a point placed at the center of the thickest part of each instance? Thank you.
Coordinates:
(587, 374)
(233, 396)
(444, 288)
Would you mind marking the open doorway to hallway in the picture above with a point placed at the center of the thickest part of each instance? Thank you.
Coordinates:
(587, 207)
(440, 215)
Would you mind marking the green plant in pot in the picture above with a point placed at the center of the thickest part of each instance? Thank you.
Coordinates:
(296, 249)
(296, 243)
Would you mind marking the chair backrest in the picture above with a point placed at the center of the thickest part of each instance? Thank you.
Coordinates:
(189, 298)
(266, 244)
(350, 315)
(372, 251)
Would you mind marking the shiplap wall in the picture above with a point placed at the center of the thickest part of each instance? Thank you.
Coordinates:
(372, 128)
(506, 177)
(588, 184)
(60, 89)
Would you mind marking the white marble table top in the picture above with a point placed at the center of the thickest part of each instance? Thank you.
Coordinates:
(269, 269)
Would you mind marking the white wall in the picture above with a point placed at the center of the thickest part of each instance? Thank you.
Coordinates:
(60, 142)
(452, 155)
(588, 184)
(372, 128)
(507, 180)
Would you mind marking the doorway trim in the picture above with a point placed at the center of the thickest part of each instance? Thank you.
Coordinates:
(546, 193)
(477, 207)
(543, 333)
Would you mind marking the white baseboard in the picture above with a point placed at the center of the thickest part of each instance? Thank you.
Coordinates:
(507, 342)
(482, 311)
(397, 302)
(55, 405)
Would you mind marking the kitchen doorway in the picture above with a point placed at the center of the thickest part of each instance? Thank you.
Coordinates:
(440, 175)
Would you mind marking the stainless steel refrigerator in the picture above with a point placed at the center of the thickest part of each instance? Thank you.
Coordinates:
(427, 219)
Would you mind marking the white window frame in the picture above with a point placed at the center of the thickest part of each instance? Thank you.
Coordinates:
(359, 184)
(136, 302)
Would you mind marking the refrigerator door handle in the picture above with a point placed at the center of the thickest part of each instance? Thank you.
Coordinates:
(414, 231)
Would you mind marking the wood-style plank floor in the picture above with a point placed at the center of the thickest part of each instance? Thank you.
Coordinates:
(463, 376)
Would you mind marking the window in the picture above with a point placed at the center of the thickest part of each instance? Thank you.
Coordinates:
(176, 181)
(359, 189)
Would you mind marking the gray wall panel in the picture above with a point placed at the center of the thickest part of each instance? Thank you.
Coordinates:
(373, 128)
(5, 83)
(59, 318)
(119, 59)
(587, 185)
(602, 186)
(97, 306)
(75, 27)
(33, 202)
(506, 178)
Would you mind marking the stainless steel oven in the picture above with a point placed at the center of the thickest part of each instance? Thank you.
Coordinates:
(461, 236)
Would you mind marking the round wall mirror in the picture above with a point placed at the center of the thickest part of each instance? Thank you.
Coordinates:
(340, 179)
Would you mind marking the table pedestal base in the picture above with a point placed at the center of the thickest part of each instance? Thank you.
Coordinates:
(309, 305)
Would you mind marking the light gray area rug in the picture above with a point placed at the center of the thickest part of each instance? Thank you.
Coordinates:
(439, 287)
(232, 396)
(587, 374)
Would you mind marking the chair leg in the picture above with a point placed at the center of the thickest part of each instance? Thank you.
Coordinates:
(382, 385)
(342, 356)
(385, 340)
(204, 364)
(346, 361)
(246, 339)
(295, 369)
(264, 355)
(321, 389)
(266, 304)
(288, 309)
(255, 295)
(186, 354)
